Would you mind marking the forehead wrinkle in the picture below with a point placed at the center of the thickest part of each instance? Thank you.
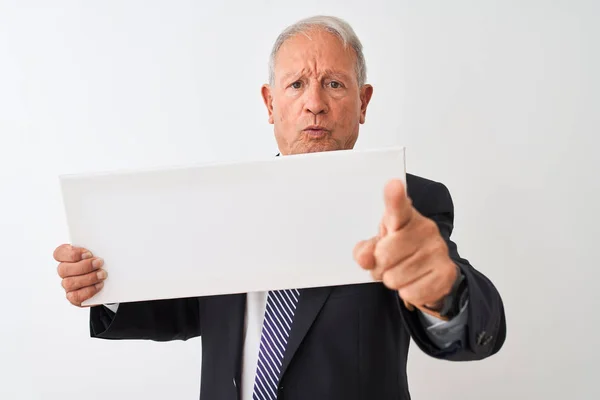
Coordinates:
(310, 57)
(327, 72)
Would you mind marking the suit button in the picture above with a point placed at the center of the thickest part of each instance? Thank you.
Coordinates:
(487, 340)
(481, 337)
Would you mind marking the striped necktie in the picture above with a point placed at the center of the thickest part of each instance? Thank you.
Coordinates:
(279, 314)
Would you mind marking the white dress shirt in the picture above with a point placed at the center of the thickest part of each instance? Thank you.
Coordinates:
(440, 332)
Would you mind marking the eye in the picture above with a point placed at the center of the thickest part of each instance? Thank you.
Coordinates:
(335, 85)
(296, 85)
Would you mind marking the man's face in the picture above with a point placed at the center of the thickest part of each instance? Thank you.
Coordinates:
(315, 103)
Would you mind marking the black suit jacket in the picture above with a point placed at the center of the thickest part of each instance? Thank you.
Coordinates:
(347, 342)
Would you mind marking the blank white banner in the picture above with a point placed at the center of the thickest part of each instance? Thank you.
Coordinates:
(285, 222)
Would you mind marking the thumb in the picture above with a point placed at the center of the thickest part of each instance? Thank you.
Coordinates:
(398, 206)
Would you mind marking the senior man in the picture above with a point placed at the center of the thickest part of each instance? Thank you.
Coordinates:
(342, 342)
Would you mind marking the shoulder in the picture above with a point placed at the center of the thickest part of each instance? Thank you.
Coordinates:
(418, 182)
(417, 185)
(426, 193)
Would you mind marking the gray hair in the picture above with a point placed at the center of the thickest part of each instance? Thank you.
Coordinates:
(334, 25)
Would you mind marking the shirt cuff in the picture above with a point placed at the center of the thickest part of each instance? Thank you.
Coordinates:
(444, 333)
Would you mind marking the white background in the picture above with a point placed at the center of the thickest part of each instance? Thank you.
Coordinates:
(497, 99)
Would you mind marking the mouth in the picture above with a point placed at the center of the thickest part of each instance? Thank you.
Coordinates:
(315, 131)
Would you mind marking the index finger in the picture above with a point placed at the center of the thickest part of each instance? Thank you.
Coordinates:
(398, 206)
(70, 253)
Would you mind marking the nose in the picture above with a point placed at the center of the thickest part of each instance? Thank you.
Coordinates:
(316, 102)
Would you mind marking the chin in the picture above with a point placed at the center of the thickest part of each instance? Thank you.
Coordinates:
(315, 147)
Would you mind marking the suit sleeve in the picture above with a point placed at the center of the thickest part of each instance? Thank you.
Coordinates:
(486, 324)
(158, 320)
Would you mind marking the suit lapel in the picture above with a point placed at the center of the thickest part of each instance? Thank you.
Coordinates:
(310, 303)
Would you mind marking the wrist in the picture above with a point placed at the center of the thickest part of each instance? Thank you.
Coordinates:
(450, 305)
(437, 306)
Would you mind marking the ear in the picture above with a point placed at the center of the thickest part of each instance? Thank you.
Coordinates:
(268, 100)
(365, 97)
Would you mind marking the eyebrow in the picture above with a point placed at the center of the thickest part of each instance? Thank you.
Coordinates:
(327, 72)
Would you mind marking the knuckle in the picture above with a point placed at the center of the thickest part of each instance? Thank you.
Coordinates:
(382, 254)
(412, 294)
(78, 268)
(375, 274)
(405, 294)
(89, 292)
(390, 279)
(451, 273)
(91, 278)
(439, 246)
(66, 252)
(429, 227)
(383, 259)
(67, 284)
(83, 266)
